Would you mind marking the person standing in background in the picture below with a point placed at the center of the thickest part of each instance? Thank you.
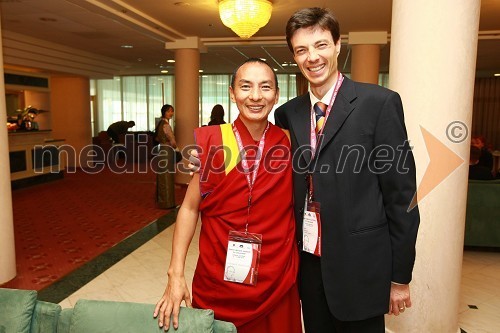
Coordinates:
(165, 187)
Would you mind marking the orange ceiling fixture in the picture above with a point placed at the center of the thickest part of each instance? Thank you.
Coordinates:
(245, 17)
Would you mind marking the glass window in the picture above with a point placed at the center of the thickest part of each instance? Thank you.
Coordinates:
(214, 89)
(109, 102)
(134, 101)
(160, 91)
(140, 98)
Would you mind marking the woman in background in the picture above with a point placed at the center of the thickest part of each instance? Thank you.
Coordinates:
(165, 196)
(217, 115)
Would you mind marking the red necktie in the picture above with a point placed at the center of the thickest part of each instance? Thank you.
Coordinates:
(319, 110)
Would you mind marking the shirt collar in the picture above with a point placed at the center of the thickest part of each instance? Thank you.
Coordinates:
(326, 99)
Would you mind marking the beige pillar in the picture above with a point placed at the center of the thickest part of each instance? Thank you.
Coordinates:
(7, 249)
(435, 76)
(365, 63)
(365, 55)
(187, 65)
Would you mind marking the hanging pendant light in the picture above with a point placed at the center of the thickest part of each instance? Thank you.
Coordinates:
(245, 17)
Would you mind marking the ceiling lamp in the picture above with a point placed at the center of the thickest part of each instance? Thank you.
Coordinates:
(245, 17)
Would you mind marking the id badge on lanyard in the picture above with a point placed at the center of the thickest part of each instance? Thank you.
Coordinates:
(311, 222)
(242, 258)
(244, 248)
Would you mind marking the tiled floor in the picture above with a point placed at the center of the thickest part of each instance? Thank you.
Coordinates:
(481, 289)
(141, 277)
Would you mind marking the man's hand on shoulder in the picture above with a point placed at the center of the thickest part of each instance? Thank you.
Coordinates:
(194, 162)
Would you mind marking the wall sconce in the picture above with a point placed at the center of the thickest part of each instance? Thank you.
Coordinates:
(245, 17)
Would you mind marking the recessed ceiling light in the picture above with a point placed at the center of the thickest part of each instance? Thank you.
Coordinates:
(275, 69)
(263, 59)
(170, 60)
(292, 75)
(201, 70)
(497, 74)
(127, 46)
(164, 71)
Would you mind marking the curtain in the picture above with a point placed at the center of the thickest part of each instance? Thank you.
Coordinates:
(134, 101)
(160, 90)
(214, 89)
(109, 102)
(486, 111)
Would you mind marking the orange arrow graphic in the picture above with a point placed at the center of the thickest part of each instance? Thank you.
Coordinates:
(442, 162)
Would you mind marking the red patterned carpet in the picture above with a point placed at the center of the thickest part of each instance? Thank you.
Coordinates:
(61, 225)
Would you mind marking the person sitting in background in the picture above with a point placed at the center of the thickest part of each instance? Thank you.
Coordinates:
(476, 170)
(486, 157)
(217, 115)
(118, 128)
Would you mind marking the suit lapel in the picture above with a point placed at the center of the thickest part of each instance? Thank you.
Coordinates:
(301, 124)
(341, 109)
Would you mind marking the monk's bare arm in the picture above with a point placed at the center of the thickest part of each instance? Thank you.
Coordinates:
(177, 289)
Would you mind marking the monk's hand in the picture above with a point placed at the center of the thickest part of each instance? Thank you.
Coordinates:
(194, 162)
(399, 298)
(169, 305)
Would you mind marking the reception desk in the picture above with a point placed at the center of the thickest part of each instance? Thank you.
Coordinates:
(34, 155)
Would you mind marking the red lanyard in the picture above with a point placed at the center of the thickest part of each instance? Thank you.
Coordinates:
(314, 135)
(250, 177)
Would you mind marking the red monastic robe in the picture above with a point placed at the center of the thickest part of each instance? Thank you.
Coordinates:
(224, 207)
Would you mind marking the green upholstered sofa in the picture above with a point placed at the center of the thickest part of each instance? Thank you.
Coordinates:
(482, 222)
(21, 312)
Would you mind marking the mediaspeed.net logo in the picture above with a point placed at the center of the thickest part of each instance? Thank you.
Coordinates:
(442, 160)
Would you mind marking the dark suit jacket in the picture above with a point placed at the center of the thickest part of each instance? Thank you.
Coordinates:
(364, 179)
(480, 172)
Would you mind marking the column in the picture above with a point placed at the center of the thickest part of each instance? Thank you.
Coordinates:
(7, 248)
(365, 55)
(435, 76)
(187, 92)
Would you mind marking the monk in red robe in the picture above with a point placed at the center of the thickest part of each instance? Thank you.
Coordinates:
(248, 258)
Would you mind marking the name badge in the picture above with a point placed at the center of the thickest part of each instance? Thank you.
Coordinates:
(242, 257)
(311, 229)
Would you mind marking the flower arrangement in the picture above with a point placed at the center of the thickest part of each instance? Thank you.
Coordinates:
(25, 119)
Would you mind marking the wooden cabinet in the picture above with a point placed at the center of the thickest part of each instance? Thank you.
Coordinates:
(34, 153)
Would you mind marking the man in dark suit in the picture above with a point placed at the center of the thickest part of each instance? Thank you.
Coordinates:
(354, 180)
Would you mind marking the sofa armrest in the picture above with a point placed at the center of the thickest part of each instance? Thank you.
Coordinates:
(64, 322)
(45, 317)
